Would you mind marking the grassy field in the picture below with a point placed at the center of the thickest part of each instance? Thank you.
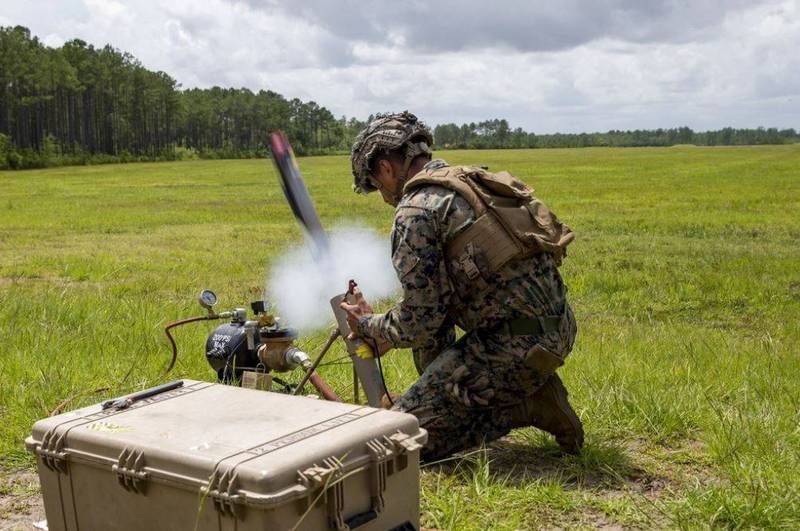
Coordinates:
(685, 279)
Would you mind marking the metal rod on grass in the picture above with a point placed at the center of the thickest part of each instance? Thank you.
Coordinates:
(310, 371)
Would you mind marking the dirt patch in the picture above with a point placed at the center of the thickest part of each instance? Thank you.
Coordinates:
(608, 466)
(614, 484)
(20, 501)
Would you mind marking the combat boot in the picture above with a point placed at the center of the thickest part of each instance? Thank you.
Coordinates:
(548, 409)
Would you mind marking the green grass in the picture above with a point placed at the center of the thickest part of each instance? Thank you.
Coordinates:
(685, 279)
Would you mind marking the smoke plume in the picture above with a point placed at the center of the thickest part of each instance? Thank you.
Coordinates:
(302, 284)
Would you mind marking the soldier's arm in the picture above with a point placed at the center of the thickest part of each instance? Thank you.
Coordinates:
(418, 259)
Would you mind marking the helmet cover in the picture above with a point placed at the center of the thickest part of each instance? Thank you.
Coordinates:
(387, 132)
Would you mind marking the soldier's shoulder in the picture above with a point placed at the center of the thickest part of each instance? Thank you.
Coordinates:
(440, 169)
(435, 164)
(443, 207)
(428, 191)
(429, 197)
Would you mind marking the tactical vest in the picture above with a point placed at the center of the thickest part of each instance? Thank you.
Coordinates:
(510, 223)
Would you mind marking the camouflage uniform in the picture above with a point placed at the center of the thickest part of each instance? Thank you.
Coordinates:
(469, 387)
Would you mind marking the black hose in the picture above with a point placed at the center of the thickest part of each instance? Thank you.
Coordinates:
(374, 346)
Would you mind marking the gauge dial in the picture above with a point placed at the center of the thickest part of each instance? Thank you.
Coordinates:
(207, 298)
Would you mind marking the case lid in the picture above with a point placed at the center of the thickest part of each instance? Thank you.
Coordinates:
(258, 447)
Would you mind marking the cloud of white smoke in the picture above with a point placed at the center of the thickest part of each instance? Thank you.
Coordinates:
(302, 286)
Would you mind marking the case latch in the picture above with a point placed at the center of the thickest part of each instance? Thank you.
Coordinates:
(222, 491)
(404, 443)
(328, 477)
(315, 476)
(380, 457)
(130, 470)
(51, 450)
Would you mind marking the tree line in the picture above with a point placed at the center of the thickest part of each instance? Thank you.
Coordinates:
(77, 104)
(497, 134)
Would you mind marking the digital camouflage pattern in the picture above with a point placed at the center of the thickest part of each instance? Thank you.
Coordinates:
(467, 388)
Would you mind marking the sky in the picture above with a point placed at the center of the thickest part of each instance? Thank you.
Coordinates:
(545, 66)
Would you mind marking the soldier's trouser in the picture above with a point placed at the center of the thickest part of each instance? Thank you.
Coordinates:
(465, 395)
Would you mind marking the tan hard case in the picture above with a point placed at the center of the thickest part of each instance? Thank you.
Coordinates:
(208, 456)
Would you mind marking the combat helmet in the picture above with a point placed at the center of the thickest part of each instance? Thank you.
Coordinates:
(387, 132)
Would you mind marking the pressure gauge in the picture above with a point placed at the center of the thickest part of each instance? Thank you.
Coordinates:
(207, 299)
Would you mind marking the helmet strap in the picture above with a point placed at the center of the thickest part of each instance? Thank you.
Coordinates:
(413, 150)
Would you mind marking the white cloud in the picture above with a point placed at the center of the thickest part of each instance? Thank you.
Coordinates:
(106, 9)
(586, 66)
